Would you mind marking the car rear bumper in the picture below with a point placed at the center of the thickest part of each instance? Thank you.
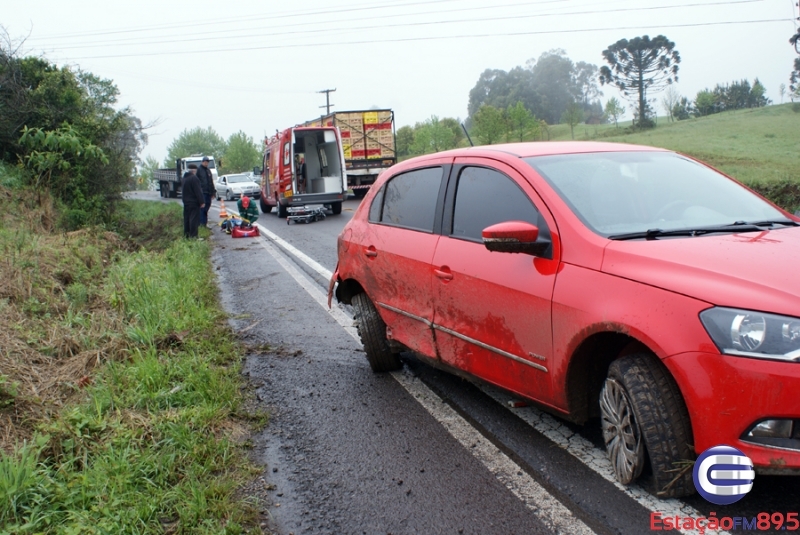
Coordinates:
(727, 395)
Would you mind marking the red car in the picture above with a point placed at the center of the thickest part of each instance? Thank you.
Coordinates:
(623, 282)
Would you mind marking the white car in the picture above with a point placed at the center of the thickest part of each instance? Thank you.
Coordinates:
(232, 187)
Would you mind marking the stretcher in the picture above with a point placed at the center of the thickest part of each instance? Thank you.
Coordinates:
(306, 214)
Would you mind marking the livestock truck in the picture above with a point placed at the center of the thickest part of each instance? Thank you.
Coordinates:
(368, 141)
(169, 180)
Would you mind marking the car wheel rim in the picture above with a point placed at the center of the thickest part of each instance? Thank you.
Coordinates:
(621, 433)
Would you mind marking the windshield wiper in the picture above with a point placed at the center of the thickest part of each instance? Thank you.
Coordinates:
(655, 233)
(773, 222)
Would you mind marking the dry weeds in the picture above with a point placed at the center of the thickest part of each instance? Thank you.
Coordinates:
(50, 341)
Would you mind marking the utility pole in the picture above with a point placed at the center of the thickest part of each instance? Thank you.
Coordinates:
(328, 104)
(795, 40)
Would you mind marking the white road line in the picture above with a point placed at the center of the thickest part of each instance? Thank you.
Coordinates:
(312, 288)
(307, 260)
(551, 512)
(583, 450)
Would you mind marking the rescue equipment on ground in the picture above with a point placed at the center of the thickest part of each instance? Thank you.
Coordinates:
(307, 214)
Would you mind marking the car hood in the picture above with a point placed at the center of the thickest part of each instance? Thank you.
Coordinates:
(243, 185)
(751, 270)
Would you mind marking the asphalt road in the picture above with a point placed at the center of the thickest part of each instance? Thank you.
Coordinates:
(417, 451)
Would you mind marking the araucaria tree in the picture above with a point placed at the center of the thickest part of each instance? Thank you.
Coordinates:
(639, 66)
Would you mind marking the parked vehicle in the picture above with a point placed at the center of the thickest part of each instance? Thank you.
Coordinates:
(303, 166)
(169, 180)
(231, 187)
(368, 141)
(603, 280)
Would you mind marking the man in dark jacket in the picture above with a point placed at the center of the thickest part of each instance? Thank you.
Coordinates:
(207, 185)
(193, 202)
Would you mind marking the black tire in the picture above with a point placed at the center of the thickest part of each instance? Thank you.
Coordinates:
(281, 211)
(372, 331)
(336, 208)
(228, 195)
(265, 208)
(663, 423)
(163, 190)
(360, 192)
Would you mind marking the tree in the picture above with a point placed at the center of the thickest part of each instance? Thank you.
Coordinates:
(404, 140)
(545, 86)
(432, 136)
(71, 109)
(241, 154)
(490, 125)
(757, 98)
(147, 169)
(671, 98)
(572, 116)
(641, 66)
(705, 103)
(520, 121)
(195, 141)
(682, 110)
(455, 126)
(554, 80)
(615, 109)
(782, 91)
(794, 86)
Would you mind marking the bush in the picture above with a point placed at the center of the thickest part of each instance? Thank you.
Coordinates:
(784, 193)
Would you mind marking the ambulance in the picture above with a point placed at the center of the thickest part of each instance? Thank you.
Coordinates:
(303, 166)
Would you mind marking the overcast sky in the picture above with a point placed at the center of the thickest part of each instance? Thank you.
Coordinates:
(257, 66)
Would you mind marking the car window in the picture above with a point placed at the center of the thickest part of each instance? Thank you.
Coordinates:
(409, 199)
(238, 178)
(485, 197)
(375, 208)
(622, 192)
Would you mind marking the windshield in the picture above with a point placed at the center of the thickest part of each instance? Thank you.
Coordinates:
(626, 192)
(232, 179)
(198, 162)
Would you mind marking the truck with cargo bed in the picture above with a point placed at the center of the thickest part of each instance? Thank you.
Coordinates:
(169, 180)
(368, 141)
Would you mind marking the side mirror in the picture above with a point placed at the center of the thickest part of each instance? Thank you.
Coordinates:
(515, 237)
(257, 171)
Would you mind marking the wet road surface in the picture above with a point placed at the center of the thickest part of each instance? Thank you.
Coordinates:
(418, 451)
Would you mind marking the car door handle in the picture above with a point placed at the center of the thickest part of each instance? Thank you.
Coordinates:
(371, 252)
(444, 275)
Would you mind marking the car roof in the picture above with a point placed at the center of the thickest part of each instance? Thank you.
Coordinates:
(548, 148)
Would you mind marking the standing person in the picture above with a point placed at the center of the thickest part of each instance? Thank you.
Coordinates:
(208, 188)
(193, 202)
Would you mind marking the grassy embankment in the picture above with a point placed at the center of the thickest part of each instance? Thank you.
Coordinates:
(120, 401)
(759, 147)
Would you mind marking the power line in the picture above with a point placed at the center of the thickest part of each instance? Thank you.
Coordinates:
(307, 31)
(435, 38)
(235, 19)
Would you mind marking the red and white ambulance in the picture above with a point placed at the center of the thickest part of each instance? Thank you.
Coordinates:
(303, 166)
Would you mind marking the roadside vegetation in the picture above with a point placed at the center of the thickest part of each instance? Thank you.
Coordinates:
(121, 406)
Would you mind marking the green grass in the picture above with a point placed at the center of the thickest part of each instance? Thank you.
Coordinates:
(151, 440)
(753, 145)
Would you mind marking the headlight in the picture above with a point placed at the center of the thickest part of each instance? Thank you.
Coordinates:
(753, 334)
